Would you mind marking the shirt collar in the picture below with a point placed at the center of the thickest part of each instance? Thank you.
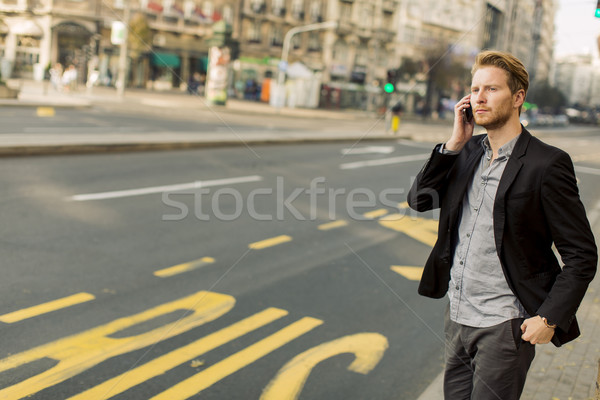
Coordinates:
(504, 151)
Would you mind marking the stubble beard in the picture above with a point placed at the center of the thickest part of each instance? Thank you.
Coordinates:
(494, 119)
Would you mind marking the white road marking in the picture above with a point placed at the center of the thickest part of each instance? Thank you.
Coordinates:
(166, 188)
(385, 161)
(587, 170)
(369, 149)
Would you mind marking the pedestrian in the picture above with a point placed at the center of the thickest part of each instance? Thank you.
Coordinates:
(55, 76)
(505, 198)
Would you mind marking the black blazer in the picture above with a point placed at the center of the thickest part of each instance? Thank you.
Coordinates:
(537, 204)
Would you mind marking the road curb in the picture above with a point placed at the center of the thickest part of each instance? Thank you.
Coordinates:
(92, 148)
(34, 104)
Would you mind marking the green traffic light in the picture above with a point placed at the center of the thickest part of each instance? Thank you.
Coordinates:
(597, 12)
(388, 87)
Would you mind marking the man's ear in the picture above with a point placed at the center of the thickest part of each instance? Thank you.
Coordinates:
(519, 98)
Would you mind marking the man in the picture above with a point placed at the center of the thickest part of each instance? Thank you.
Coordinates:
(505, 199)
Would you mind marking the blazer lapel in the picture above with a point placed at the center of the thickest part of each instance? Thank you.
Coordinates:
(513, 166)
(466, 174)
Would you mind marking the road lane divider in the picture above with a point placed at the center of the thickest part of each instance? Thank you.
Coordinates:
(375, 213)
(274, 241)
(409, 272)
(45, 308)
(162, 364)
(208, 377)
(332, 225)
(167, 188)
(45, 112)
(77, 353)
(420, 229)
(367, 348)
(184, 267)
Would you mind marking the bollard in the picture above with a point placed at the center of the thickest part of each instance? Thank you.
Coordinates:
(395, 124)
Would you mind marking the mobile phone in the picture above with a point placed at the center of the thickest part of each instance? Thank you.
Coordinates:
(468, 114)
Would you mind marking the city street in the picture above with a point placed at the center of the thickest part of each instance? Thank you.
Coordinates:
(273, 272)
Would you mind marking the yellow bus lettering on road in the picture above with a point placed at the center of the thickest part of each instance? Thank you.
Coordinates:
(237, 361)
(162, 364)
(80, 352)
(289, 381)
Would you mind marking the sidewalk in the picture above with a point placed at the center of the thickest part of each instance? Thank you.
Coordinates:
(357, 125)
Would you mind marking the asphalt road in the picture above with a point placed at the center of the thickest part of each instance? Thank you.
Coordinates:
(135, 118)
(221, 274)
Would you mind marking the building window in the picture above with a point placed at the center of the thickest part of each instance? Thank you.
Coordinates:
(254, 32)
(298, 9)
(278, 7)
(315, 11)
(345, 11)
(296, 41)
(314, 42)
(257, 6)
(366, 16)
(276, 36)
(362, 56)
(208, 9)
(340, 52)
(492, 27)
(228, 14)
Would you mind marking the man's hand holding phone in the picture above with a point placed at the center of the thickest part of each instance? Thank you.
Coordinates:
(464, 124)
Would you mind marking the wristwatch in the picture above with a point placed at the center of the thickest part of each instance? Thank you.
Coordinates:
(549, 325)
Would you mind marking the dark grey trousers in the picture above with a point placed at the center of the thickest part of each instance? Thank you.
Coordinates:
(486, 363)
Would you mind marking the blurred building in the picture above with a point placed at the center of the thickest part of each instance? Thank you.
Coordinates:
(351, 60)
(578, 77)
(168, 37)
(373, 40)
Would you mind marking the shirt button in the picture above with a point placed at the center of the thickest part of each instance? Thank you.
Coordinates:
(468, 235)
(461, 263)
(457, 287)
(476, 209)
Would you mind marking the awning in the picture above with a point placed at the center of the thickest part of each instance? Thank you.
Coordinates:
(27, 28)
(166, 60)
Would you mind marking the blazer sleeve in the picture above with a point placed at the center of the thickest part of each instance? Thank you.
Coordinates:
(431, 182)
(573, 238)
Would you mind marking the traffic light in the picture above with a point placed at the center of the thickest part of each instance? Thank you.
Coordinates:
(392, 77)
(598, 9)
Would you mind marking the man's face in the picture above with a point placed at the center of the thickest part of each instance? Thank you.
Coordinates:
(492, 101)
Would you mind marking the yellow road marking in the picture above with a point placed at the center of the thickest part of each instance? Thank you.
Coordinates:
(45, 111)
(403, 205)
(46, 307)
(263, 244)
(226, 367)
(368, 349)
(180, 268)
(82, 351)
(332, 225)
(162, 364)
(376, 213)
(421, 229)
(410, 273)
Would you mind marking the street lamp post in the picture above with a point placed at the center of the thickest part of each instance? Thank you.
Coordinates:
(122, 78)
(286, 49)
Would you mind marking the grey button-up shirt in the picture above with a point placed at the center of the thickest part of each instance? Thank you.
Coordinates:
(478, 291)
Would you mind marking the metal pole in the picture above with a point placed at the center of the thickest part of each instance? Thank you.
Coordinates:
(286, 49)
(122, 81)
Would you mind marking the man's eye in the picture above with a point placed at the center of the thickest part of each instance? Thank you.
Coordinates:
(474, 90)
